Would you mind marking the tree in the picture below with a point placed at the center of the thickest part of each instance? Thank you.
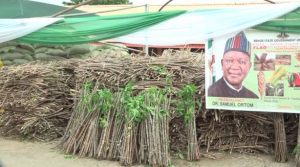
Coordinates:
(103, 2)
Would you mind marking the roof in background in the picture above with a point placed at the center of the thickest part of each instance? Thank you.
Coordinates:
(53, 2)
(26, 9)
(198, 2)
(156, 4)
(152, 8)
(178, 2)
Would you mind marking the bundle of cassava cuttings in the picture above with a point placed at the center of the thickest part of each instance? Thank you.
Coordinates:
(297, 148)
(281, 152)
(154, 129)
(187, 108)
(88, 122)
(124, 125)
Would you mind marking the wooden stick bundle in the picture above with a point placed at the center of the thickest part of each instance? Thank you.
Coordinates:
(281, 153)
(297, 149)
(154, 140)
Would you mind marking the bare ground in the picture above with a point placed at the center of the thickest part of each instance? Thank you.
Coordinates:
(15, 153)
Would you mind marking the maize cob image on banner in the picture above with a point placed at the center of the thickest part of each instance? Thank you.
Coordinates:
(275, 86)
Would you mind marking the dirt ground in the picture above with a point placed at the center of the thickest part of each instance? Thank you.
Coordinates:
(34, 154)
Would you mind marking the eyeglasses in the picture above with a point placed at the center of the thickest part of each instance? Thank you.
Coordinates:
(231, 61)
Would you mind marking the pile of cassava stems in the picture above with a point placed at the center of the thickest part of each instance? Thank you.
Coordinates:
(137, 128)
(216, 130)
(37, 99)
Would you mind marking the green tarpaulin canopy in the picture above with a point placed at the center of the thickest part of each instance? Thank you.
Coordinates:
(25, 9)
(190, 27)
(95, 28)
(289, 23)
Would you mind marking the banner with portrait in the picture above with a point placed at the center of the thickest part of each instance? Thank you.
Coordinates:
(253, 71)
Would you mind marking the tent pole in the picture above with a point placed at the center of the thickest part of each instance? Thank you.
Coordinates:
(161, 8)
(270, 1)
(146, 47)
(105, 11)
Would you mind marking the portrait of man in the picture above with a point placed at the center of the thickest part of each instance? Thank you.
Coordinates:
(235, 66)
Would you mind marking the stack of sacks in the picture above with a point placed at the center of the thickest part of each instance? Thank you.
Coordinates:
(12, 53)
(61, 52)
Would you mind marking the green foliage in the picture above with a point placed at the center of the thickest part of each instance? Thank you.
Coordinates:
(164, 72)
(103, 2)
(155, 99)
(93, 100)
(85, 98)
(139, 107)
(160, 70)
(104, 97)
(133, 104)
(186, 106)
(69, 156)
(296, 150)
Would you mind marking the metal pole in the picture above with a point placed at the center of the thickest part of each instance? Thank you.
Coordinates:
(146, 47)
(270, 1)
(21, 7)
(161, 8)
(105, 11)
(146, 8)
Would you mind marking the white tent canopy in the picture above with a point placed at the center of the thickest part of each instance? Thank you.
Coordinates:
(11, 29)
(196, 26)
